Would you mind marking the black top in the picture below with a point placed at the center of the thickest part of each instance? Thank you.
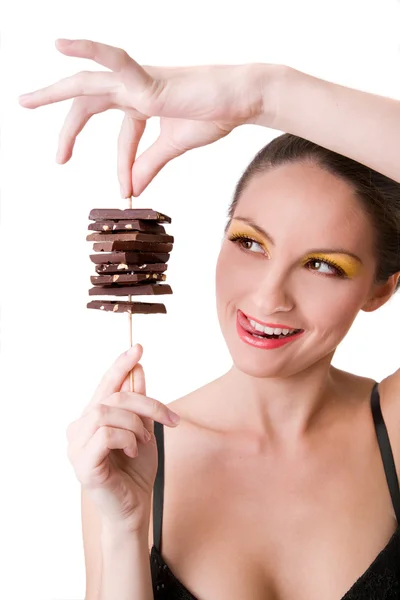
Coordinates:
(381, 581)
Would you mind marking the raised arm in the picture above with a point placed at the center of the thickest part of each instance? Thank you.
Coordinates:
(362, 126)
(199, 105)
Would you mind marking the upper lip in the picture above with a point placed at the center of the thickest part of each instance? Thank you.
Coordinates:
(272, 325)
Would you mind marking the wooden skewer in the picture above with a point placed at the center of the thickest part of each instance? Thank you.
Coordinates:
(130, 322)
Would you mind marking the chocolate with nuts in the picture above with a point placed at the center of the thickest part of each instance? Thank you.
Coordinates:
(113, 214)
(124, 268)
(129, 307)
(126, 225)
(120, 279)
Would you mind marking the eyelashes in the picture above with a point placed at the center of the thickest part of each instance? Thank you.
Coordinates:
(241, 239)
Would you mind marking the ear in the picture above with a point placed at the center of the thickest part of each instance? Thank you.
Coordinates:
(381, 293)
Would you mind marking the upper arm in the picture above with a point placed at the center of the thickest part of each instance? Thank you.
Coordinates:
(91, 531)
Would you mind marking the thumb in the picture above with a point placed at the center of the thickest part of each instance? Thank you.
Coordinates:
(139, 381)
(139, 387)
(115, 376)
(151, 161)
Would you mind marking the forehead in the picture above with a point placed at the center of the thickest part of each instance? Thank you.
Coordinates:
(304, 202)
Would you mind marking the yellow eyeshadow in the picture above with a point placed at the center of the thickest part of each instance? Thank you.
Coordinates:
(245, 231)
(350, 266)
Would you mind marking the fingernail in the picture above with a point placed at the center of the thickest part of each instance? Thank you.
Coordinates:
(173, 417)
(147, 436)
(124, 193)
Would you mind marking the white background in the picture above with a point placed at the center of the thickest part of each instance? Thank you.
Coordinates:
(53, 349)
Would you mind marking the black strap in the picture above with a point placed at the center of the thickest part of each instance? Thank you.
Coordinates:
(158, 496)
(386, 451)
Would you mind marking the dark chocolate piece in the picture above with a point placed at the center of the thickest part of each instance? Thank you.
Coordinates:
(132, 290)
(127, 225)
(129, 258)
(113, 214)
(131, 236)
(121, 306)
(130, 246)
(123, 278)
(123, 268)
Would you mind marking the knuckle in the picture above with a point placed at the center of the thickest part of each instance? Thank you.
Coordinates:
(115, 399)
(106, 435)
(99, 413)
(123, 56)
(137, 423)
(156, 407)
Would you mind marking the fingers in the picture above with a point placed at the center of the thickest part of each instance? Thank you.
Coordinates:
(139, 380)
(115, 376)
(129, 137)
(111, 57)
(81, 111)
(85, 83)
(150, 163)
(106, 439)
(124, 69)
(104, 415)
(143, 406)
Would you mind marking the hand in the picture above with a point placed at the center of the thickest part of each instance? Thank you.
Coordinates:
(108, 445)
(197, 105)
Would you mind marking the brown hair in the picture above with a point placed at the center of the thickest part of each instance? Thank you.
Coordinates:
(380, 195)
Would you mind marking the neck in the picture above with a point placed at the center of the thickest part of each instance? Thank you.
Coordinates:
(281, 410)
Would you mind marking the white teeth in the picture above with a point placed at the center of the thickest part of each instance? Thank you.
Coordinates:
(270, 330)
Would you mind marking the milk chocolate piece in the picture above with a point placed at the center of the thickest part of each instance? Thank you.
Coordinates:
(131, 258)
(121, 306)
(124, 268)
(132, 236)
(126, 225)
(130, 246)
(123, 278)
(132, 290)
(112, 214)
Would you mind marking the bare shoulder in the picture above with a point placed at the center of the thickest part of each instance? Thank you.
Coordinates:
(392, 383)
(389, 391)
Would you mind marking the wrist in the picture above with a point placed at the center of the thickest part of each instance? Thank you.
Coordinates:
(270, 82)
(121, 531)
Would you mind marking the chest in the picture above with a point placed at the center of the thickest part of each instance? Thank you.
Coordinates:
(238, 526)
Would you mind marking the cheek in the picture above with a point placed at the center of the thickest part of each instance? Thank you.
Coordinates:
(231, 278)
(332, 308)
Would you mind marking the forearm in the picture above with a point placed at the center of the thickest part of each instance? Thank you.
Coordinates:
(362, 126)
(126, 571)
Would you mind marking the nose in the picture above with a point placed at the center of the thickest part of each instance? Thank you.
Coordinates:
(272, 294)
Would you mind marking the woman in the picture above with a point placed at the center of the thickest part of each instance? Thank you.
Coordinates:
(280, 479)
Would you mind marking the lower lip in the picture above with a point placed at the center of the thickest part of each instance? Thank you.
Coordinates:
(264, 343)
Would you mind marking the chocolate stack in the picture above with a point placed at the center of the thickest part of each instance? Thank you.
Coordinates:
(132, 249)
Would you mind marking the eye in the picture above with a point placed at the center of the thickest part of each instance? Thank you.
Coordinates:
(247, 243)
(330, 267)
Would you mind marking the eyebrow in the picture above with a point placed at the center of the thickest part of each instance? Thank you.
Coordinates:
(266, 235)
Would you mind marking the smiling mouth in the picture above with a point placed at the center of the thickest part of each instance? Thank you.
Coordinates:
(265, 331)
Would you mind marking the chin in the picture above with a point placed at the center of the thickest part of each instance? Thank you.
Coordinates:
(258, 363)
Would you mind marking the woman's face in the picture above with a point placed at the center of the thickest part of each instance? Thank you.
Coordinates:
(312, 270)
